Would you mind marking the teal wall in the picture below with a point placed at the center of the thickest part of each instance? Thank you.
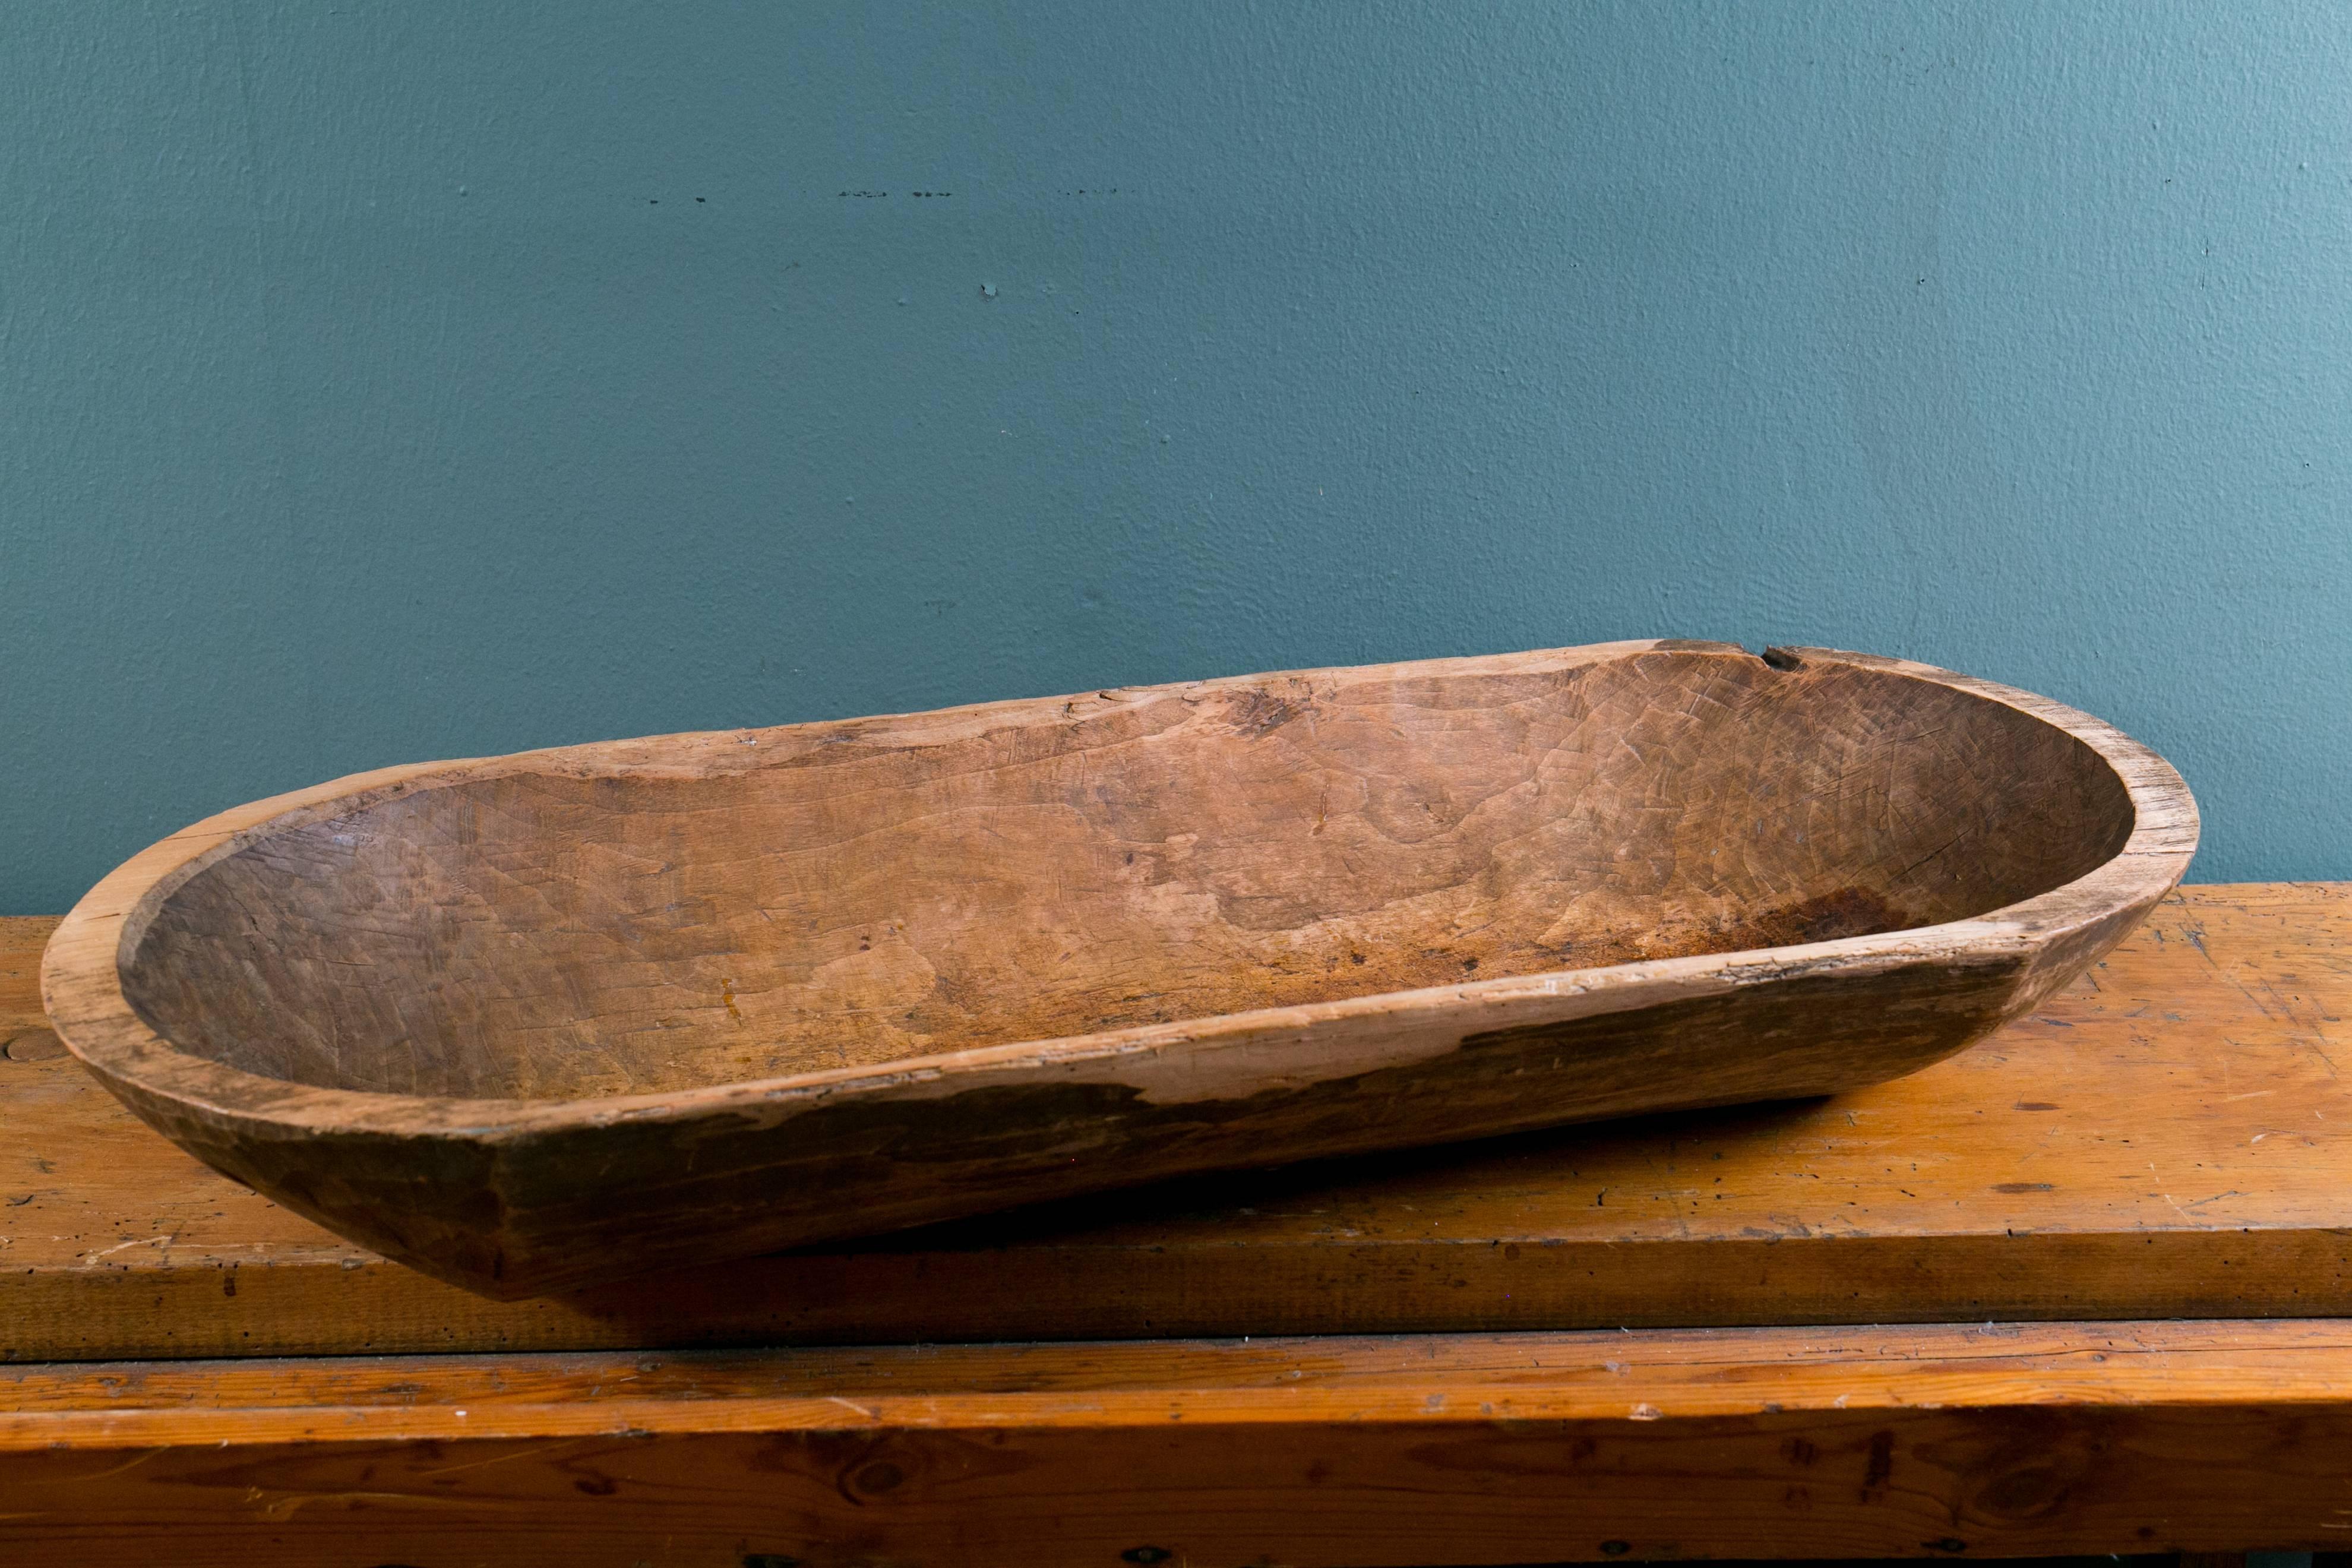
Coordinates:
(399, 381)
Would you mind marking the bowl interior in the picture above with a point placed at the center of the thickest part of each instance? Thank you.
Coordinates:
(565, 925)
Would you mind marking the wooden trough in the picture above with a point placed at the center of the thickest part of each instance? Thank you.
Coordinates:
(533, 1022)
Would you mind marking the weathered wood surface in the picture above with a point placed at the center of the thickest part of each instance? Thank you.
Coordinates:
(1919, 1442)
(2169, 1136)
(530, 1023)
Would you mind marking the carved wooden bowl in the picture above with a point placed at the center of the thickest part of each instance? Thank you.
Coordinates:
(535, 1021)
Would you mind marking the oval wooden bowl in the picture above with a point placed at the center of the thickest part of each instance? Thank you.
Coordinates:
(533, 1022)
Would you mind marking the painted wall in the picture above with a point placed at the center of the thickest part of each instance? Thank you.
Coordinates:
(392, 382)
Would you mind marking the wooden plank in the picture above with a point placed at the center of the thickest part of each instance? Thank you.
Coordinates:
(1903, 1441)
(2168, 1137)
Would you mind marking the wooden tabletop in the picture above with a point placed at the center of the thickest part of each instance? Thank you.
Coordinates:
(2162, 1142)
(2168, 1137)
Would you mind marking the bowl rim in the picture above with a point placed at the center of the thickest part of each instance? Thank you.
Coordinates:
(81, 966)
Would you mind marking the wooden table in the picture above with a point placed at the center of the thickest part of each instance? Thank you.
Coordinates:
(2107, 1247)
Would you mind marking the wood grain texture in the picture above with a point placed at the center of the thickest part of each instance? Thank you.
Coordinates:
(1914, 1442)
(2169, 1136)
(536, 1022)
